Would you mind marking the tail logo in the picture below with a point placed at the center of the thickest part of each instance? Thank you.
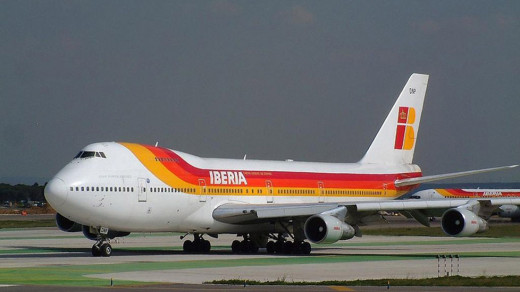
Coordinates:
(405, 134)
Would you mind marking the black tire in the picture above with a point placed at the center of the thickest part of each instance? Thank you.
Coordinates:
(305, 248)
(278, 246)
(187, 246)
(205, 246)
(106, 249)
(270, 247)
(96, 251)
(235, 246)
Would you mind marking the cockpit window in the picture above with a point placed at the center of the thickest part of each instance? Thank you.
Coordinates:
(89, 154)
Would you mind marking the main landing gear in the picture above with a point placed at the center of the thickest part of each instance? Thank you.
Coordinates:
(198, 245)
(245, 246)
(279, 246)
(282, 246)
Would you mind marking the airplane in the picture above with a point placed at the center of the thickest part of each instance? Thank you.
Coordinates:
(504, 211)
(110, 189)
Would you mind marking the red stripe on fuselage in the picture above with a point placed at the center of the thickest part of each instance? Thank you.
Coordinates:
(187, 172)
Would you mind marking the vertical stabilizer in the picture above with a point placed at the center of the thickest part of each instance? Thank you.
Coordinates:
(395, 141)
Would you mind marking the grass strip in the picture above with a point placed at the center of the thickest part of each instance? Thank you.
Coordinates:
(75, 275)
(457, 281)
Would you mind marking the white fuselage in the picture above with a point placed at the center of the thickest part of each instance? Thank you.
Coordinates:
(128, 190)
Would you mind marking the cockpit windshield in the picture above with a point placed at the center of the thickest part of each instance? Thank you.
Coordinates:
(90, 154)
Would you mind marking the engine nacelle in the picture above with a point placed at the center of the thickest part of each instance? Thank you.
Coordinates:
(67, 225)
(327, 229)
(509, 211)
(462, 222)
(111, 233)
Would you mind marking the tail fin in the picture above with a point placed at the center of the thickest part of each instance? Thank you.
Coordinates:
(395, 141)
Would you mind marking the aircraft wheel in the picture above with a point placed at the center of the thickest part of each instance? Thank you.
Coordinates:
(270, 247)
(305, 248)
(106, 249)
(235, 246)
(278, 246)
(96, 251)
(205, 246)
(187, 246)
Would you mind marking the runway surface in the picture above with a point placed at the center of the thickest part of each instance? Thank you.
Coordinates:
(47, 256)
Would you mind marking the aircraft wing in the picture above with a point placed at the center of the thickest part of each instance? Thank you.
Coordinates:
(236, 213)
(430, 178)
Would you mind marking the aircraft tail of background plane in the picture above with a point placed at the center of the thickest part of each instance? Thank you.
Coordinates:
(395, 142)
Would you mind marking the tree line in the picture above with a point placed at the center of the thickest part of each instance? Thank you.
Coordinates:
(17, 193)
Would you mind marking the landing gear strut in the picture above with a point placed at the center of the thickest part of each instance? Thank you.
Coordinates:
(102, 246)
(198, 244)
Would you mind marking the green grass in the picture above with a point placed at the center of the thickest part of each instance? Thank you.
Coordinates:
(503, 281)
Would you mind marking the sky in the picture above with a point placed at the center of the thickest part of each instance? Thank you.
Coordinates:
(302, 80)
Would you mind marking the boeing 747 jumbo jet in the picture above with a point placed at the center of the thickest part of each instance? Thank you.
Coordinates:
(111, 189)
(504, 211)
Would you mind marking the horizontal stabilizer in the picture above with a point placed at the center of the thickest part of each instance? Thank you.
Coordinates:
(430, 178)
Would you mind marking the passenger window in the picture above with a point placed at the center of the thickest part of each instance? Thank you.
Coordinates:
(71, 189)
(82, 189)
(77, 189)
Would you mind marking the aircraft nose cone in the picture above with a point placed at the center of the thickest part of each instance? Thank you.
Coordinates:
(56, 192)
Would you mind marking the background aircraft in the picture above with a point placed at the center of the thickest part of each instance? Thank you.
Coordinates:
(505, 211)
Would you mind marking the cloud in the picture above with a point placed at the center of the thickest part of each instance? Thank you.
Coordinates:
(298, 15)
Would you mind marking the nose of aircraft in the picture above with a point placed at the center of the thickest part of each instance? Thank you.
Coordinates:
(56, 192)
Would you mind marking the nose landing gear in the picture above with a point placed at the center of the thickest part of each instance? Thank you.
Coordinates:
(102, 248)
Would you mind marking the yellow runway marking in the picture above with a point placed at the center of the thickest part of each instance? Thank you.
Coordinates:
(341, 288)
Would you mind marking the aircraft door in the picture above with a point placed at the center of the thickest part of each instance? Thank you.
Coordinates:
(269, 188)
(142, 190)
(203, 190)
(320, 190)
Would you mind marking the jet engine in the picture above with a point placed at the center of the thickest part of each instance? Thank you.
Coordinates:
(67, 225)
(111, 233)
(327, 229)
(462, 222)
(510, 211)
